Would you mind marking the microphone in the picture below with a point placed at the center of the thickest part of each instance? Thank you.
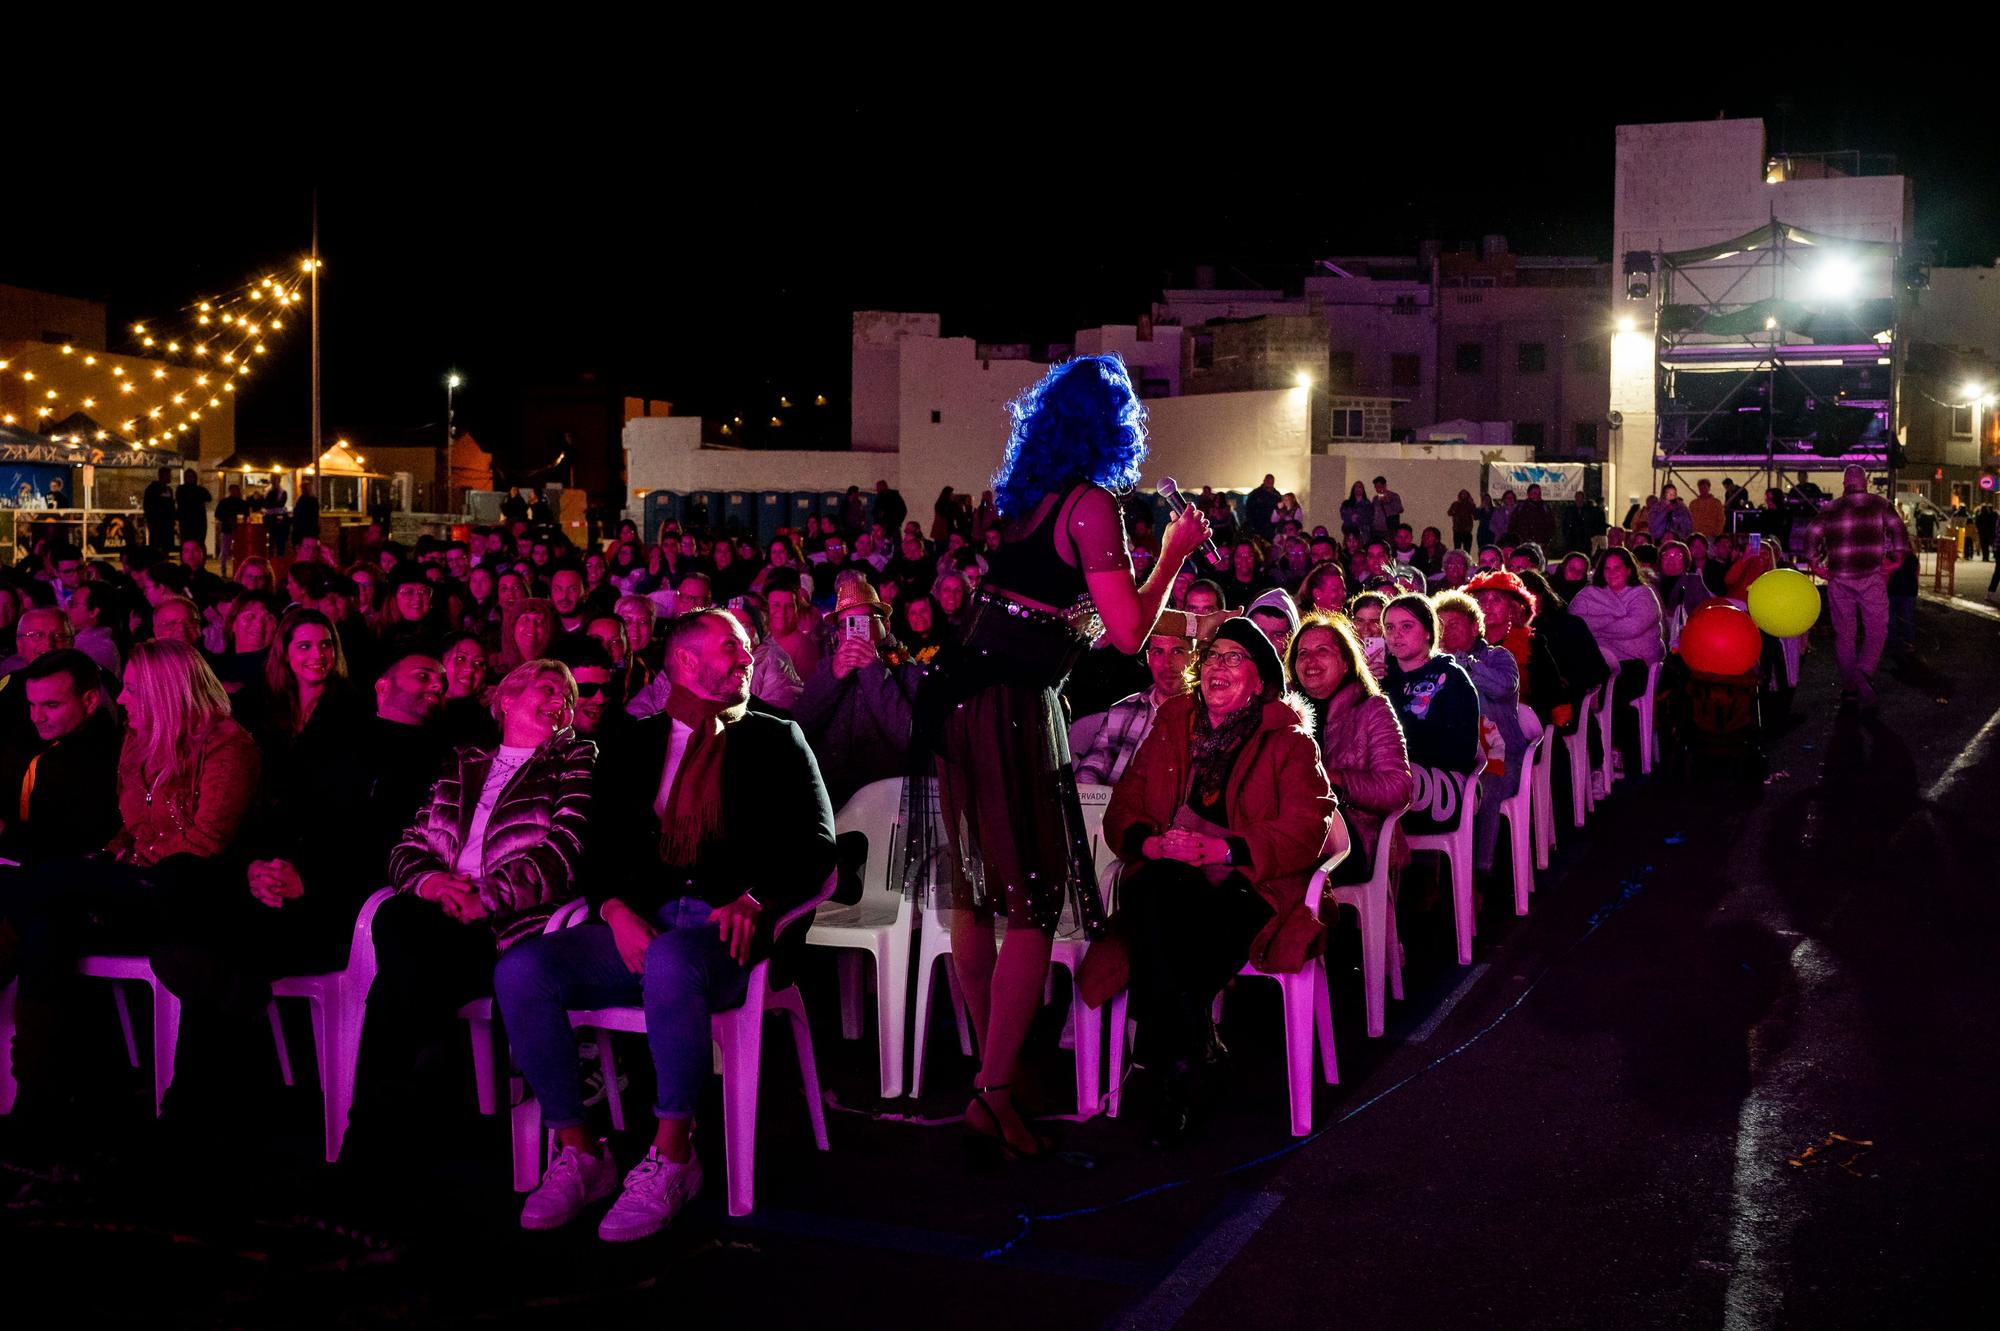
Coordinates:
(1178, 502)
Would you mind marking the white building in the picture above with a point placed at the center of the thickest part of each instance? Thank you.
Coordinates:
(1684, 186)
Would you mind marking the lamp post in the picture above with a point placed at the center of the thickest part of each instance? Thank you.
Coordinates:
(451, 385)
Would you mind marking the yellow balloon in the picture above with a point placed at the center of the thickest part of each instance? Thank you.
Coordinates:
(1784, 602)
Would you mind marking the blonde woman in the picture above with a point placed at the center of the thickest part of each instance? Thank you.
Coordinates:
(490, 856)
(187, 774)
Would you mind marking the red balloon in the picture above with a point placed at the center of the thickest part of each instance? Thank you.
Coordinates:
(1721, 639)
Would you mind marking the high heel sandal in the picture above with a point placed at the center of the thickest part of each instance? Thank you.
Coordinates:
(987, 1151)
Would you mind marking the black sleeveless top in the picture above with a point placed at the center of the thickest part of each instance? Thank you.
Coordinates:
(1030, 566)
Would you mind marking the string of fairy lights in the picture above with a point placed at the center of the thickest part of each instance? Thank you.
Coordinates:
(201, 356)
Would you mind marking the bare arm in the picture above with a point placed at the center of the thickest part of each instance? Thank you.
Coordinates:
(1129, 608)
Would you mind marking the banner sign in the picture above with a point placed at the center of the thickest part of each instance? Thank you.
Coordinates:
(1559, 480)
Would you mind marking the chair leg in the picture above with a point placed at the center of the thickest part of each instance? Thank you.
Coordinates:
(482, 1065)
(1323, 1021)
(125, 1021)
(7, 1087)
(742, 1040)
(1461, 902)
(847, 969)
(607, 1068)
(278, 1039)
(1524, 873)
(530, 1143)
(1298, 996)
(959, 1011)
(326, 1046)
(926, 978)
(1374, 962)
(1393, 951)
(794, 1008)
(343, 1037)
(1089, 1022)
(1114, 1062)
(166, 1035)
(892, 1009)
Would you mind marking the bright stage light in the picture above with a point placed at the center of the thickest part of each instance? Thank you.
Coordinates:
(1627, 324)
(1836, 277)
(1304, 380)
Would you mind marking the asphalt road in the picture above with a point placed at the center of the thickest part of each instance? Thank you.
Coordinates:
(1590, 1127)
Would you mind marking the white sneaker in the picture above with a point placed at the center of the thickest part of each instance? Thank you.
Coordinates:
(574, 1181)
(655, 1191)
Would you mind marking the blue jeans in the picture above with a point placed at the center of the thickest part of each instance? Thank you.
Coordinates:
(688, 975)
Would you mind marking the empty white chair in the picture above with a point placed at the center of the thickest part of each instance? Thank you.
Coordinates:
(739, 1035)
(879, 924)
(1456, 847)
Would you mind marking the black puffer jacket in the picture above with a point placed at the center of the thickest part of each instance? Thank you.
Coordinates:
(534, 840)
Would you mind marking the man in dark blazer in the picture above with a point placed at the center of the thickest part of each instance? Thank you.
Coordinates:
(712, 836)
(59, 791)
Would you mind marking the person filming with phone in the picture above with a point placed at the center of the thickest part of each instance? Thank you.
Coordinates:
(856, 711)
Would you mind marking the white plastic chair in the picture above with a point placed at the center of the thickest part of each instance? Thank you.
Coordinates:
(1607, 769)
(479, 1012)
(739, 1035)
(1649, 740)
(1582, 797)
(166, 1015)
(879, 924)
(1381, 950)
(1545, 808)
(339, 1007)
(166, 1023)
(1456, 847)
(1084, 1028)
(1308, 1016)
(1518, 809)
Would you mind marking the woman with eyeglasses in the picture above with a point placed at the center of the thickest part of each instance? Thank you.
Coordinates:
(1220, 820)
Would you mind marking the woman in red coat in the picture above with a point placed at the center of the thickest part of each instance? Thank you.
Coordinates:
(1221, 819)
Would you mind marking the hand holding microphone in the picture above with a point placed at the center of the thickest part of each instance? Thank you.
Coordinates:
(1186, 532)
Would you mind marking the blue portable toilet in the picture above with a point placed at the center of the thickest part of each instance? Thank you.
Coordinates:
(738, 514)
(771, 510)
(804, 504)
(829, 505)
(701, 511)
(661, 507)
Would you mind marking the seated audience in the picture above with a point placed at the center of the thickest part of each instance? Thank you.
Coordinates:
(713, 829)
(1438, 708)
(97, 614)
(1221, 820)
(1360, 740)
(856, 711)
(600, 689)
(497, 847)
(1274, 613)
(1497, 677)
(1624, 616)
(187, 775)
(1169, 656)
(61, 785)
(467, 717)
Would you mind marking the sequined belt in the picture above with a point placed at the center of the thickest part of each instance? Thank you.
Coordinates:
(1031, 642)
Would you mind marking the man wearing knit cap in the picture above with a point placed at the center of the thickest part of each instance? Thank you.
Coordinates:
(1169, 651)
(1275, 613)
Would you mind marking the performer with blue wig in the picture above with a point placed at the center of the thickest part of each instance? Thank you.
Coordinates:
(1014, 838)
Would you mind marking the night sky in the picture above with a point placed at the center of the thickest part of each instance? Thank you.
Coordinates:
(717, 269)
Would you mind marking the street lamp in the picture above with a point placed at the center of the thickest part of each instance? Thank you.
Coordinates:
(451, 385)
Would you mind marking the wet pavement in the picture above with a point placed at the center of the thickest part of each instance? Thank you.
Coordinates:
(1594, 1125)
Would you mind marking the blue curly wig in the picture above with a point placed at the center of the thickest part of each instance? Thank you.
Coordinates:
(1082, 420)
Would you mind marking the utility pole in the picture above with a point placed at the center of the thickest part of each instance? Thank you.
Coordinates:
(313, 266)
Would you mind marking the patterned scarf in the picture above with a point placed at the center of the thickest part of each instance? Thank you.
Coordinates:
(693, 811)
(1212, 752)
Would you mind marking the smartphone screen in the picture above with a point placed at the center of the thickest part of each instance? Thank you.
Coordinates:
(1756, 542)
